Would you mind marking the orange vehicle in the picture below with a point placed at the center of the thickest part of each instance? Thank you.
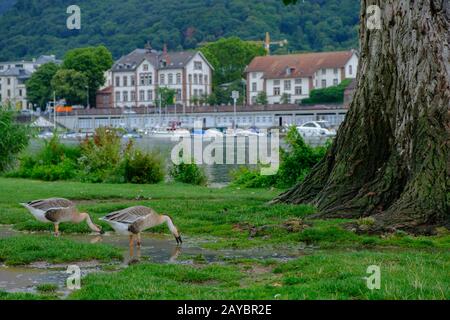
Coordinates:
(64, 108)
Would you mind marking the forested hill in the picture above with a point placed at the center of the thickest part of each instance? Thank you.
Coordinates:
(5, 5)
(33, 27)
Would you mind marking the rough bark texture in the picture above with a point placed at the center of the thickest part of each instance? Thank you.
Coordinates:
(391, 157)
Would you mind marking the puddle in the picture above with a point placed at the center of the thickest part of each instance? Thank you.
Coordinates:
(155, 248)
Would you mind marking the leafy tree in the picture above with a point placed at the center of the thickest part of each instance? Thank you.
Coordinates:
(92, 62)
(70, 85)
(334, 94)
(39, 89)
(261, 98)
(165, 96)
(14, 137)
(285, 98)
(229, 57)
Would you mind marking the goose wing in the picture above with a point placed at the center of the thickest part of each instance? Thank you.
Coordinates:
(130, 215)
(52, 203)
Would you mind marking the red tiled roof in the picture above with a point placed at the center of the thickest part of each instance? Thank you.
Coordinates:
(303, 64)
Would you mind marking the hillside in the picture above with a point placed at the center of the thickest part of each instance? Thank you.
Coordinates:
(6, 5)
(34, 27)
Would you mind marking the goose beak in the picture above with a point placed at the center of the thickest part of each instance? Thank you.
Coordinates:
(102, 232)
(179, 241)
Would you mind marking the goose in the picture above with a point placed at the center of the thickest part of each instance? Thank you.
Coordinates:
(57, 210)
(132, 221)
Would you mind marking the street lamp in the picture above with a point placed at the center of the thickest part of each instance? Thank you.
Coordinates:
(87, 97)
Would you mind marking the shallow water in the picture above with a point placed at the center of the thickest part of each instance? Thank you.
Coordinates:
(155, 248)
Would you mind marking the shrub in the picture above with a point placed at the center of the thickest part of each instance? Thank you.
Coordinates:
(143, 168)
(334, 94)
(188, 173)
(55, 161)
(101, 156)
(14, 138)
(295, 163)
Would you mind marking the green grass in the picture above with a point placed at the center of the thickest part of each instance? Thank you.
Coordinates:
(24, 249)
(46, 288)
(325, 275)
(412, 267)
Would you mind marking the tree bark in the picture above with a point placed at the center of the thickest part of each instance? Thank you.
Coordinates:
(391, 158)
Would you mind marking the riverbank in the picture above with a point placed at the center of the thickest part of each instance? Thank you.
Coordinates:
(317, 259)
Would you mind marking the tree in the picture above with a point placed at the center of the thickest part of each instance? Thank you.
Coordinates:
(391, 158)
(229, 57)
(39, 89)
(14, 138)
(92, 62)
(261, 98)
(70, 85)
(165, 96)
(285, 98)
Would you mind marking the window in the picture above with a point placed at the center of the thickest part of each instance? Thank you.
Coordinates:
(335, 82)
(145, 67)
(133, 80)
(324, 71)
(117, 81)
(149, 78)
(195, 79)
(190, 78)
(298, 91)
(254, 87)
(20, 92)
(117, 96)
(206, 79)
(253, 99)
(141, 95)
(133, 95)
(200, 92)
(254, 75)
(195, 93)
(350, 69)
(178, 95)
(335, 71)
(8, 94)
(198, 65)
(276, 91)
(276, 82)
(200, 79)
(298, 81)
(287, 85)
(170, 78)
(149, 95)
(178, 78)
(324, 83)
(162, 79)
(125, 81)
(8, 81)
(125, 96)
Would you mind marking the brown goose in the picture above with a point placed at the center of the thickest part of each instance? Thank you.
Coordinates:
(132, 221)
(57, 210)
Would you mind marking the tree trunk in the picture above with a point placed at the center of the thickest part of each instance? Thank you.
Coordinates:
(391, 158)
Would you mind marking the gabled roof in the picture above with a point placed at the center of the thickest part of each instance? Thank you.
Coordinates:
(16, 72)
(176, 60)
(300, 65)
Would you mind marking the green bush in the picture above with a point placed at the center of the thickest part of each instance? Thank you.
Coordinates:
(14, 138)
(333, 94)
(295, 164)
(143, 168)
(188, 173)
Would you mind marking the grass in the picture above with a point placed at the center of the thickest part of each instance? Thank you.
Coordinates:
(412, 267)
(413, 275)
(24, 249)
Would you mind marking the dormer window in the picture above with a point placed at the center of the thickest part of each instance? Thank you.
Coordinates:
(290, 71)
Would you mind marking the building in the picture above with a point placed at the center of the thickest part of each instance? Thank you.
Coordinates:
(135, 78)
(292, 77)
(13, 76)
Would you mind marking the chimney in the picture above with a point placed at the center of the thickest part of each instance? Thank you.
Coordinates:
(166, 54)
(148, 47)
(267, 43)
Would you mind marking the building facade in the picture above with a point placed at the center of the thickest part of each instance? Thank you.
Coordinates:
(13, 76)
(288, 79)
(135, 78)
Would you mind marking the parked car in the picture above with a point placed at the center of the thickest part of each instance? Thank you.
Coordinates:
(316, 128)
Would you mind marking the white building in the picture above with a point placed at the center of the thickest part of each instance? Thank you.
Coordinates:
(294, 76)
(136, 77)
(13, 76)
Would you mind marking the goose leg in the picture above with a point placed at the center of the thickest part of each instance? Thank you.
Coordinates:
(138, 240)
(56, 230)
(131, 246)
